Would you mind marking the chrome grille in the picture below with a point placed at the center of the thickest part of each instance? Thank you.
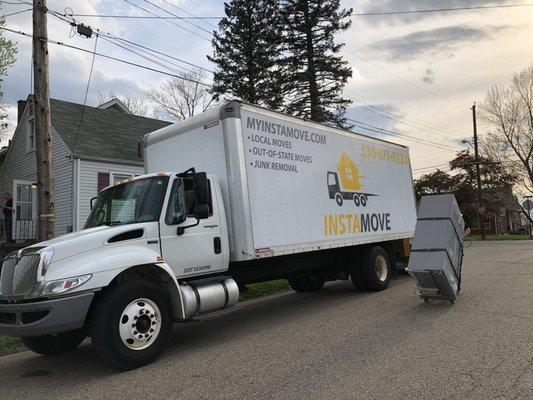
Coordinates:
(25, 276)
(19, 278)
(6, 277)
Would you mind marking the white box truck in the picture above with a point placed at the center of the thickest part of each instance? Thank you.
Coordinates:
(235, 195)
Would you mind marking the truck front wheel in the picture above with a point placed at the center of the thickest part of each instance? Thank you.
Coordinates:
(55, 343)
(131, 324)
(376, 268)
(306, 283)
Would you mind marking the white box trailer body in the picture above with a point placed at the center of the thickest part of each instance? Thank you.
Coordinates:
(289, 185)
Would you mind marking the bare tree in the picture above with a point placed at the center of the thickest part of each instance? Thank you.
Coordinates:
(183, 97)
(137, 105)
(508, 111)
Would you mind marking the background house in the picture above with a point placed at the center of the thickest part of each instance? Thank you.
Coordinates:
(105, 149)
(509, 218)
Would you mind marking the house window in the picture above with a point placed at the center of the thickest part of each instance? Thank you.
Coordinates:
(30, 135)
(119, 178)
(24, 205)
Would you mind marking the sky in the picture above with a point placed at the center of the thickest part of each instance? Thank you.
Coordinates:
(413, 74)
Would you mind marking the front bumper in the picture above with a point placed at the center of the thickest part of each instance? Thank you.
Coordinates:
(44, 317)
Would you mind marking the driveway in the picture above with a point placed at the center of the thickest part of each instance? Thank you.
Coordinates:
(335, 344)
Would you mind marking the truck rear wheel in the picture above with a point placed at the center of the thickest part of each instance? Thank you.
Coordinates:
(131, 324)
(56, 343)
(375, 268)
(306, 283)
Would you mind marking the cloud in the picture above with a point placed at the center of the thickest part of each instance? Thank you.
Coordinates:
(409, 5)
(439, 41)
(429, 76)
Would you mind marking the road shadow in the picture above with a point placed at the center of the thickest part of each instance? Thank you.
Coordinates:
(271, 312)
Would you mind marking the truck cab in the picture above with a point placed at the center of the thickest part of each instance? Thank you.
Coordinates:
(161, 228)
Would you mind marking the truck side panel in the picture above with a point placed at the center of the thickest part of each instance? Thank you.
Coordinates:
(314, 188)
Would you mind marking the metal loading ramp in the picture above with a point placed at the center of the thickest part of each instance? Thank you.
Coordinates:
(437, 251)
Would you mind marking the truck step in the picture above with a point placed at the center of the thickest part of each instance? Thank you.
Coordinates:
(216, 314)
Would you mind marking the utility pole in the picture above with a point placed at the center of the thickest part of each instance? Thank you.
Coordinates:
(43, 134)
(481, 209)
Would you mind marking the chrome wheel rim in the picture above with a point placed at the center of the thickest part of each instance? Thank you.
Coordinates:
(140, 324)
(382, 269)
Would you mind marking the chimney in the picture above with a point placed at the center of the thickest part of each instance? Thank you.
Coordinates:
(21, 105)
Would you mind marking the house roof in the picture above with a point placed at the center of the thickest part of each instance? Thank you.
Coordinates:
(107, 134)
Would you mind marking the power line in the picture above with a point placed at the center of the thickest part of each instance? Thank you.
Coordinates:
(438, 131)
(17, 12)
(425, 124)
(188, 13)
(447, 165)
(145, 49)
(85, 98)
(403, 80)
(441, 10)
(377, 129)
(161, 64)
(138, 16)
(174, 15)
(111, 58)
(167, 20)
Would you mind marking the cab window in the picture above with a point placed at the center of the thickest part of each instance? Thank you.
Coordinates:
(181, 201)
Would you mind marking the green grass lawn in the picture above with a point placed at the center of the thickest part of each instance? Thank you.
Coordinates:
(9, 344)
(264, 289)
(499, 237)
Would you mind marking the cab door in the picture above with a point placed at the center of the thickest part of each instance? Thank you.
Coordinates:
(199, 248)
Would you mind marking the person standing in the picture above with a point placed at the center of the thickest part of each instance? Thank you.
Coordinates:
(8, 210)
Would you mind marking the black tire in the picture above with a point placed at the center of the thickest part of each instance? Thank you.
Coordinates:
(376, 270)
(363, 200)
(356, 200)
(56, 343)
(306, 283)
(106, 320)
(339, 199)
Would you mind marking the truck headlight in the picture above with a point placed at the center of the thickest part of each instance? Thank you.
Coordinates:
(46, 258)
(64, 285)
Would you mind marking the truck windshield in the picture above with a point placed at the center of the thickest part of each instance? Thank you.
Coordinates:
(129, 203)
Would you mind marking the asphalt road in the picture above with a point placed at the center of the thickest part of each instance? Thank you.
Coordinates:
(335, 344)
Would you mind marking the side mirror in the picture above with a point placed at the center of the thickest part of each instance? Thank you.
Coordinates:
(201, 186)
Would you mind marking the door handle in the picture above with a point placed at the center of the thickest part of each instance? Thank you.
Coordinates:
(217, 245)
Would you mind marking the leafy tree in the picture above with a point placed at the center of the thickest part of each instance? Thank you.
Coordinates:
(437, 182)
(246, 52)
(314, 74)
(8, 53)
(497, 183)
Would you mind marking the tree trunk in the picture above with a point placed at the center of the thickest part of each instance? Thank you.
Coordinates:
(311, 72)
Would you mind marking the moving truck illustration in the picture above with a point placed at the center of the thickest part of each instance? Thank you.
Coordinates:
(229, 198)
(351, 182)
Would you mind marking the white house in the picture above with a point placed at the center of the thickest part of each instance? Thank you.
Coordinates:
(104, 149)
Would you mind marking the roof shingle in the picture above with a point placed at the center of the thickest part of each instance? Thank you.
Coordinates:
(105, 134)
